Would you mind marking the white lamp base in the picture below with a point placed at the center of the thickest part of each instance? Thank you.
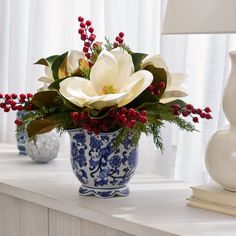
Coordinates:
(221, 157)
(221, 150)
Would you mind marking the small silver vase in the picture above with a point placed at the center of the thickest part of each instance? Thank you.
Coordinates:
(45, 148)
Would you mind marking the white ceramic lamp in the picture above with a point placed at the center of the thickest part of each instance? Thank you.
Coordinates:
(210, 17)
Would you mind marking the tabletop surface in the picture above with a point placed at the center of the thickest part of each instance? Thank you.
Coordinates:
(155, 206)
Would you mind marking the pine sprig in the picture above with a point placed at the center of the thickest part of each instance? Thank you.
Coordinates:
(165, 113)
(108, 45)
(154, 129)
(157, 114)
(125, 47)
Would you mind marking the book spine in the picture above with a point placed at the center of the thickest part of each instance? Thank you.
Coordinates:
(211, 207)
(215, 197)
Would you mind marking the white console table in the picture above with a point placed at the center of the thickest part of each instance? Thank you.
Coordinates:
(43, 200)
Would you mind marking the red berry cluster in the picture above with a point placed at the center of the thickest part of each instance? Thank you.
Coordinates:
(119, 40)
(121, 117)
(129, 117)
(189, 110)
(82, 119)
(156, 89)
(86, 34)
(18, 122)
(15, 102)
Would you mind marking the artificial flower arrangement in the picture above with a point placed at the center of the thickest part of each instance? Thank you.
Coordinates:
(104, 88)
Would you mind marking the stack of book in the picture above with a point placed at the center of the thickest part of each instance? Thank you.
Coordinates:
(213, 197)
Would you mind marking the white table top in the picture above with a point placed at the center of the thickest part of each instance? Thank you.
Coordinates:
(155, 206)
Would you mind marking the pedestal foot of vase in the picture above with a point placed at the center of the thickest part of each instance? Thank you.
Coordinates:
(104, 193)
(22, 149)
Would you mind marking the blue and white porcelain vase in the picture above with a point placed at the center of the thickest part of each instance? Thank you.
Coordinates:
(21, 137)
(103, 169)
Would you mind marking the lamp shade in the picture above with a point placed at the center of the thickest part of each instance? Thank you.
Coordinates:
(200, 16)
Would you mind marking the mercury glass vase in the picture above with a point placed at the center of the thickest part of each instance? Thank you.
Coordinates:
(102, 168)
(45, 148)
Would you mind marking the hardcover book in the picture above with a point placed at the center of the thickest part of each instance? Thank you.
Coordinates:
(213, 197)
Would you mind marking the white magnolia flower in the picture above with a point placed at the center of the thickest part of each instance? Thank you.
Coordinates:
(72, 65)
(174, 86)
(73, 61)
(112, 81)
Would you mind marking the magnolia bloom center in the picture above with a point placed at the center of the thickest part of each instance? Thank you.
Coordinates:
(108, 89)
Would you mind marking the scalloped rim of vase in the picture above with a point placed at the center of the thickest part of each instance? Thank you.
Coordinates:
(101, 133)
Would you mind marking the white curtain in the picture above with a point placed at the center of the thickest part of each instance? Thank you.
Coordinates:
(207, 65)
(31, 29)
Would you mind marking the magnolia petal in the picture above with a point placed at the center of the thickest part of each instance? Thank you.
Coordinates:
(171, 97)
(136, 84)
(104, 71)
(48, 72)
(167, 100)
(107, 100)
(73, 60)
(46, 80)
(174, 93)
(155, 60)
(126, 66)
(169, 79)
(176, 81)
(77, 90)
(174, 89)
(44, 88)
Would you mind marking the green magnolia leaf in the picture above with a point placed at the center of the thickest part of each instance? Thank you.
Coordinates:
(46, 61)
(57, 64)
(41, 126)
(55, 84)
(70, 106)
(137, 59)
(159, 74)
(177, 101)
(144, 97)
(95, 114)
(46, 99)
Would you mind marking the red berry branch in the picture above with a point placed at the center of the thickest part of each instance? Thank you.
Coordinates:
(16, 102)
(190, 110)
(86, 35)
(119, 40)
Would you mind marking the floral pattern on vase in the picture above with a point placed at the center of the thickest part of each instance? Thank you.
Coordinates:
(21, 137)
(103, 169)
